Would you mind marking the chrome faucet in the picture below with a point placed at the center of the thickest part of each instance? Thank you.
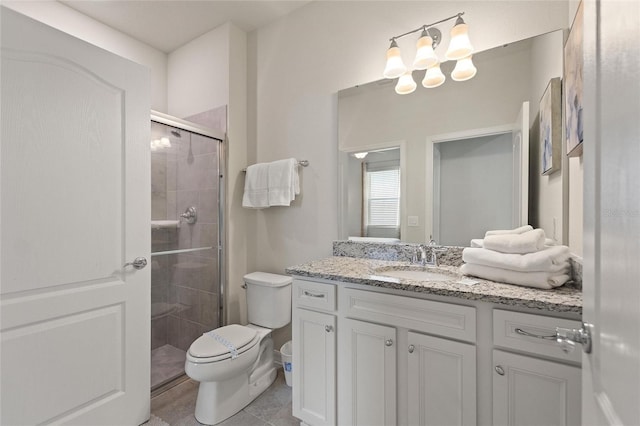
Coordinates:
(427, 254)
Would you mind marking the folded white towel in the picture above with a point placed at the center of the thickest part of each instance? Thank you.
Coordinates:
(519, 230)
(256, 187)
(550, 259)
(528, 242)
(543, 280)
(479, 242)
(284, 182)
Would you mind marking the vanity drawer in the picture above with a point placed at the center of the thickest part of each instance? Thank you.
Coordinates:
(314, 295)
(514, 330)
(426, 316)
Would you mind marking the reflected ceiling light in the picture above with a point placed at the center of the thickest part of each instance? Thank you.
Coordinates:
(433, 77)
(360, 155)
(163, 142)
(405, 84)
(464, 70)
(460, 49)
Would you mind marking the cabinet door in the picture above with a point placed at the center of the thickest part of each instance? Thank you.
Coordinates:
(314, 367)
(441, 380)
(367, 374)
(531, 391)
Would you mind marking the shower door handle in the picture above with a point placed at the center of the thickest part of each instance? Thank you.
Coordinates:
(138, 263)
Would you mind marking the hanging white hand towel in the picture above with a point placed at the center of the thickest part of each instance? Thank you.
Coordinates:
(256, 187)
(284, 183)
(528, 242)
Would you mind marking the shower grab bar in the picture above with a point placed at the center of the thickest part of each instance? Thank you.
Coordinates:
(162, 253)
(303, 163)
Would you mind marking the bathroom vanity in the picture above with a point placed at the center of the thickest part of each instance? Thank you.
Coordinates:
(371, 347)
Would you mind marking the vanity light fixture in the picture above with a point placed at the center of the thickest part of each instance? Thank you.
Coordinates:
(360, 155)
(460, 50)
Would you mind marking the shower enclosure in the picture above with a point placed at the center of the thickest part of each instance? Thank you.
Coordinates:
(186, 241)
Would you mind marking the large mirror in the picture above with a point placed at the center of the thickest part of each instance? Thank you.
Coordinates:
(450, 162)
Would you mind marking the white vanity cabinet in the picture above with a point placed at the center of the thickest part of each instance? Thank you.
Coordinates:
(384, 350)
(314, 352)
(364, 357)
(527, 388)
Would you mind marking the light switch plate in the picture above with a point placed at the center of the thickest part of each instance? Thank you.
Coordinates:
(413, 221)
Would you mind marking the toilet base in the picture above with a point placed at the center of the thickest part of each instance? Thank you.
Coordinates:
(217, 401)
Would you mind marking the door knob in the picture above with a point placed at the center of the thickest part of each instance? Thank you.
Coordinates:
(138, 263)
(388, 342)
(568, 337)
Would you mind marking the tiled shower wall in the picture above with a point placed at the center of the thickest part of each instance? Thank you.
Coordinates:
(184, 290)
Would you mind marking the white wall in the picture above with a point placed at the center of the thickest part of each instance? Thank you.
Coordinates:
(198, 74)
(63, 18)
(206, 73)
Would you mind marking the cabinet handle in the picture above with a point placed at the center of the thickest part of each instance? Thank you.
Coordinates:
(309, 294)
(411, 349)
(500, 370)
(537, 336)
(328, 328)
(388, 342)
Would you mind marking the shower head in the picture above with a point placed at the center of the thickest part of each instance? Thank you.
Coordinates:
(176, 133)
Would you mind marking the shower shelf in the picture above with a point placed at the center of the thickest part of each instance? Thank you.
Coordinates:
(189, 250)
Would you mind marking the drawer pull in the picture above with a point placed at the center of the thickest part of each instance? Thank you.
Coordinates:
(537, 336)
(320, 296)
(388, 342)
(500, 370)
(411, 349)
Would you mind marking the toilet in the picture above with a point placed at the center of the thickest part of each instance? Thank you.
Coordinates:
(234, 363)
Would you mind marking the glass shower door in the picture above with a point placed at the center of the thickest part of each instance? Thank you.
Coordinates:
(186, 230)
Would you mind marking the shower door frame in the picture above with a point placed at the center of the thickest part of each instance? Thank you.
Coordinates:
(219, 136)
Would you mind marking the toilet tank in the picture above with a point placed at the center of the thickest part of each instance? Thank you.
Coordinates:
(268, 299)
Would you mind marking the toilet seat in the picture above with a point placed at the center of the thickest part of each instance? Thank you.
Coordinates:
(208, 348)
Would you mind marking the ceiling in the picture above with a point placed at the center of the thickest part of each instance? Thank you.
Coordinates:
(169, 24)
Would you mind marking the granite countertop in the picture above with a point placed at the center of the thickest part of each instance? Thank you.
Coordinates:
(566, 299)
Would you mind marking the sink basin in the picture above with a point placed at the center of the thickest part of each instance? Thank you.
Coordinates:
(415, 274)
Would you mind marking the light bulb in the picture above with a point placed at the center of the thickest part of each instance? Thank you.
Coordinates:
(464, 70)
(360, 155)
(425, 56)
(165, 142)
(460, 45)
(395, 67)
(433, 77)
(405, 84)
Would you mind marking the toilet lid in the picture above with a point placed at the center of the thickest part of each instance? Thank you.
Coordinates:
(219, 341)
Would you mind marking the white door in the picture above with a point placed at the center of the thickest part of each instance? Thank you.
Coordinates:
(314, 367)
(367, 377)
(611, 289)
(441, 380)
(75, 322)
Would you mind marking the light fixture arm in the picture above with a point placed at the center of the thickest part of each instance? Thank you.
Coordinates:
(427, 26)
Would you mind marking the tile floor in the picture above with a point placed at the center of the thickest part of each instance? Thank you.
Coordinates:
(273, 408)
(167, 363)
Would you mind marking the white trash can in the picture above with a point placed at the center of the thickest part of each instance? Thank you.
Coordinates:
(285, 353)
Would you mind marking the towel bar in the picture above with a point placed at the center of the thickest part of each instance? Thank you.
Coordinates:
(303, 163)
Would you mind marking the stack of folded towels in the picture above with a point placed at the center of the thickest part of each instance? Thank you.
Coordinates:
(521, 256)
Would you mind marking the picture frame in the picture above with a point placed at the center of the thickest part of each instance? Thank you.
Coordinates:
(573, 85)
(551, 127)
